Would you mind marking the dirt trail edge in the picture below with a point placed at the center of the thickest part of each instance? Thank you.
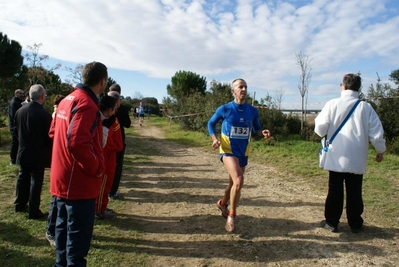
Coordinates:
(173, 196)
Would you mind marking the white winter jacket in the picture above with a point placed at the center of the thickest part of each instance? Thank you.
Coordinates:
(348, 151)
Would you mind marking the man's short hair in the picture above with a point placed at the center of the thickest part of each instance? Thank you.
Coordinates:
(352, 82)
(114, 94)
(238, 79)
(36, 91)
(93, 73)
(107, 102)
(115, 87)
(18, 91)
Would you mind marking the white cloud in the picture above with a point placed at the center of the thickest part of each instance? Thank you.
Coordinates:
(255, 39)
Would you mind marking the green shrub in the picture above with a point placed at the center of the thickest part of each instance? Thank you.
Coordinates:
(308, 133)
(5, 136)
(269, 141)
(393, 147)
(3, 121)
(274, 120)
(293, 124)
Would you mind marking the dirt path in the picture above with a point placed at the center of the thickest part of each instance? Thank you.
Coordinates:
(173, 196)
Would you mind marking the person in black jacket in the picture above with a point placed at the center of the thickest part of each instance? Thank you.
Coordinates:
(32, 124)
(15, 104)
(122, 114)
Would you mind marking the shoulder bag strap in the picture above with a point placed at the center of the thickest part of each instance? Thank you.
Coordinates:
(344, 121)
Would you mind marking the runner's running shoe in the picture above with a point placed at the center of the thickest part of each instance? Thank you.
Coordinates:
(230, 224)
(223, 209)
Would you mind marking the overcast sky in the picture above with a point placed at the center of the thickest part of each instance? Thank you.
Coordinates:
(145, 42)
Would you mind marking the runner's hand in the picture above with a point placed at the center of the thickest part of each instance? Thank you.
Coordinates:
(379, 157)
(216, 144)
(266, 134)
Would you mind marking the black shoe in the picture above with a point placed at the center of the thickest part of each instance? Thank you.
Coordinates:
(324, 224)
(357, 230)
(39, 215)
(24, 209)
(115, 196)
(106, 215)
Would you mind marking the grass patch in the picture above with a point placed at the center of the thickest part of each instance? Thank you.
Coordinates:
(5, 136)
(173, 132)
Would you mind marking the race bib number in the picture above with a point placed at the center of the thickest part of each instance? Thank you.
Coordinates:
(239, 132)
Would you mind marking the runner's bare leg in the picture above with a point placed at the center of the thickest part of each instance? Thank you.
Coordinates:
(236, 178)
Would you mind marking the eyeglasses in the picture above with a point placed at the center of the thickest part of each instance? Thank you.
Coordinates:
(340, 84)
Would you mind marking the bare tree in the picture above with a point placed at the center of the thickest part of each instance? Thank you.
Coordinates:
(267, 101)
(37, 73)
(33, 57)
(279, 98)
(138, 95)
(75, 74)
(303, 61)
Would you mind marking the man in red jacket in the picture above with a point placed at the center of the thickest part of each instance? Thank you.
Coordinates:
(77, 165)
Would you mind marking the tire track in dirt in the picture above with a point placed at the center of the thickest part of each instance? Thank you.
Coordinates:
(173, 198)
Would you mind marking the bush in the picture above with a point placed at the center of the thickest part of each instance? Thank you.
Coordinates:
(5, 136)
(293, 124)
(271, 141)
(308, 133)
(393, 147)
(3, 121)
(274, 120)
(197, 104)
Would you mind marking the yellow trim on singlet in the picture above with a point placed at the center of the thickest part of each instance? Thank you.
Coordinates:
(225, 147)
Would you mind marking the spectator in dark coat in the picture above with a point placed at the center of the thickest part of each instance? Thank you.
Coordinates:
(32, 124)
(122, 114)
(15, 104)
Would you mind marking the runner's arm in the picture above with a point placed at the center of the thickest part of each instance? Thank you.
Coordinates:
(212, 126)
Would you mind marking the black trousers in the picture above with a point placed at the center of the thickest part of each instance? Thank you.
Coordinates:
(13, 147)
(118, 171)
(28, 189)
(335, 199)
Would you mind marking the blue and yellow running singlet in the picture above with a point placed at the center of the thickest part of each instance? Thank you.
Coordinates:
(238, 122)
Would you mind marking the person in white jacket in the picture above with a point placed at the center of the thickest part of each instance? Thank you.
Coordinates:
(347, 156)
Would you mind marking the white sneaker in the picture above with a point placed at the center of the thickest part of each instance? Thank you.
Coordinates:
(230, 224)
(51, 240)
